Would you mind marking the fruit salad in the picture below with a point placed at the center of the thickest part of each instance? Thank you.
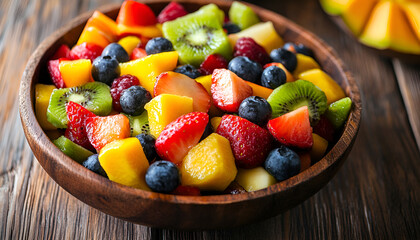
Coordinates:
(189, 103)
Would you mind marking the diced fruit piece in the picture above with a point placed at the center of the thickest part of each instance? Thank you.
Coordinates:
(171, 12)
(133, 13)
(62, 52)
(69, 68)
(412, 11)
(242, 15)
(93, 35)
(338, 112)
(143, 32)
(289, 76)
(332, 90)
(212, 9)
(215, 122)
(209, 165)
(263, 33)
(256, 110)
(138, 53)
(103, 130)
(293, 129)
(287, 58)
(93, 96)
(118, 86)
(164, 109)
(148, 68)
(124, 162)
(334, 7)
(188, 70)
(211, 62)
(55, 74)
(254, 179)
(116, 51)
(105, 69)
(273, 77)
(282, 163)
(246, 69)
(42, 98)
(187, 191)
(205, 81)
(102, 22)
(76, 130)
(147, 142)
(92, 163)
(86, 51)
(228, 90)
(388, 28)
(182, 85)
(324, 128)
(180, 136)
(305, 160)
(139, 124)
(356, 13)
(162, 176)
(249, 142)
(247, 47)
(259, 91)
(133, 99)
(129, 43)
(293, 95)
(318, 148)
(71, 149)
(196, 36)
(304, 63)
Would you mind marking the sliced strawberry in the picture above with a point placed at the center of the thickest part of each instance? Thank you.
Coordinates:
(325, 129)
(180, 136)
(133, 13)
(76, 130)
(180, 84)
(213, 61)
(62, 52)
(228, 90)
(187, 191)
(171, 12)
(250, 143)
(293, 129)
(103, 130)
(55, 74)
(138, 53)
(86, 51)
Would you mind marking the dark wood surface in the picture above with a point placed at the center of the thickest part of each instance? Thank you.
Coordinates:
(374, 195)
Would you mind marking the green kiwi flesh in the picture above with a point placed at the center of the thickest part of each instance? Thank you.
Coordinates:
(71, 149)
(139, 124)
(94, 96)
(197, 35)
(242, 15)
(338, 112)
(293, 95)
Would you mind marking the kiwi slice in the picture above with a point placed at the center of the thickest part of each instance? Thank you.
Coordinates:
(338, 112)
(293, 95)
(71, 149)
(242, 15)
(94, 96)
(139, 124)
(213, 9)
(197, 35)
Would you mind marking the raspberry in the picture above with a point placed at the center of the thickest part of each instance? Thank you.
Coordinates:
(212, 62)
(118, 86)
(86, 51)
(173, 11)
(247, 47)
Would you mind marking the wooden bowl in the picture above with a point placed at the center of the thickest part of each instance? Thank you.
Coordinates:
(184, 212)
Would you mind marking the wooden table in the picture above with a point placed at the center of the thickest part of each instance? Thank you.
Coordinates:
(376, 194)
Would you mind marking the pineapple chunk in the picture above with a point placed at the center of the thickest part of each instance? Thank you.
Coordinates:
(254, 179)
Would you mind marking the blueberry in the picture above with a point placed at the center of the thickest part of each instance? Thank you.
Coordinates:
(246, 69)
(116, 51)
(282, 163)
(290, 47)
(272, 77)
(105, 69)
(158, 45)
(231, 27)
(92, 163)
(133, 99)
(300, 48)
(256, 110)
(285, 57)
(188, 70)
(162, 176)
(147, 142)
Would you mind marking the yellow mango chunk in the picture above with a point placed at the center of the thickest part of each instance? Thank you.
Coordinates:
(215, 122)
(124, 162)
(68, 70)
(333, 7)
(148, 68)
(103, 23)
(129, 43)
(254, 179)
(151, 31)
(332, 90)
(42, 99)
(164, 109)
(412, 11)
(93, 35)
(260, 91)
(356, 14)
(209, 165)
(318, 148)
(304, 63)
(206, 82)
(263, 33)
(389, 28)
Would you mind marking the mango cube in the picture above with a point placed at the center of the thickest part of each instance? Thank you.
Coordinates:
(318, 148)
(42, 99)
(260, 91)
(68, 70)
(129, 43)
(93, 35)
(254, 179)
(304, 63)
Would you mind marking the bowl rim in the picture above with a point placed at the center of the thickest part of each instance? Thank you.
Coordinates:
(33, 130)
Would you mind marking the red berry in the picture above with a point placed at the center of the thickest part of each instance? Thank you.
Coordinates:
(62, 52)
(213, 61)
(55, 74)
(250, 143)
(325, 129)
(247, 47)
(86, 51)
(173, 11)
(138, 53)
(180, 136)
(118, 86)
(187, 191)
(76, 130)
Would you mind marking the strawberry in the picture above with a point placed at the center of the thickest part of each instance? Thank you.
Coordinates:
(228, 90)
(212, 62)
(103, 130)
(293, 129)
(250, 143)
(86, 51)
(76, 130)
(138, 53)
(62, 52)
(180, 136)
(325, 129)
(55, 74)
(135, 14)
(180, 84)
(187, 191)
(171, 12)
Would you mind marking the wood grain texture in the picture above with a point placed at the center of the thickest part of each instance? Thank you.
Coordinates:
(374, 195)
